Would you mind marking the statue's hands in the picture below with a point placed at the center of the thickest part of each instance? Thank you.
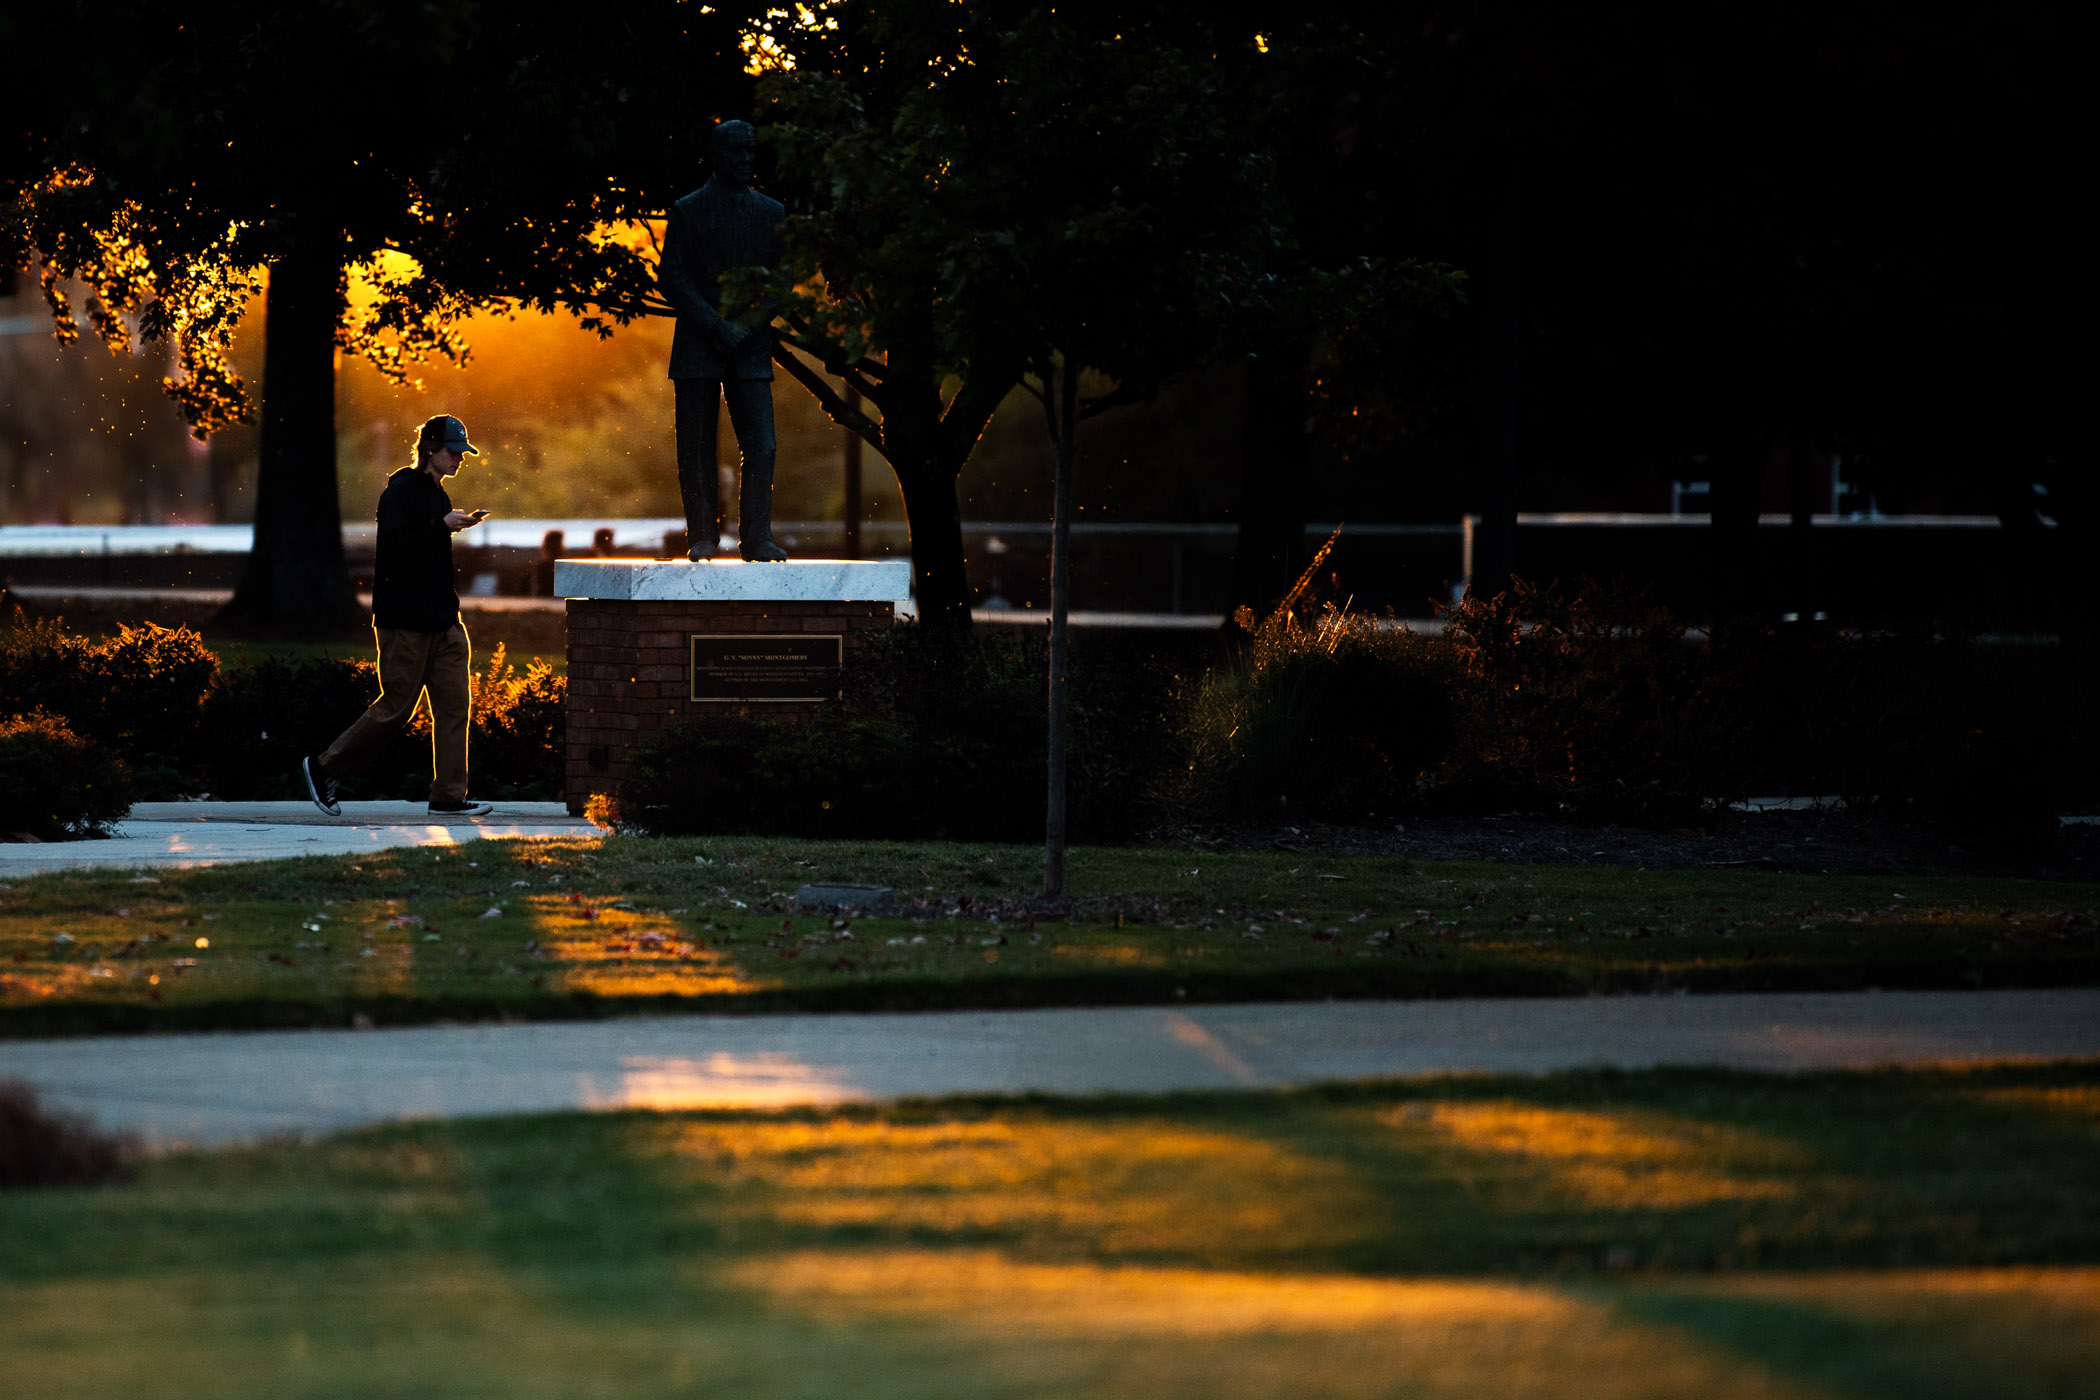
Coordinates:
(733, 337)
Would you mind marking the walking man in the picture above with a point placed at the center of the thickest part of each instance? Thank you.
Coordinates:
(415, 615)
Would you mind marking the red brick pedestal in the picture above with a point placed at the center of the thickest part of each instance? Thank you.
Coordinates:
(630, 657)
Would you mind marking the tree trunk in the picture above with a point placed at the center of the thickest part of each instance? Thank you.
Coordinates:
(296, 583)
(1065, 421)
(926, 474)
(852, 510)
(935, 516)
(1737, 470)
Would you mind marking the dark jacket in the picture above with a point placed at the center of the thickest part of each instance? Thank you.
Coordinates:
(413, 585)
(711, 231)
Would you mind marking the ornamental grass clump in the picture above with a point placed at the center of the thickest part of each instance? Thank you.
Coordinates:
(1337, 717)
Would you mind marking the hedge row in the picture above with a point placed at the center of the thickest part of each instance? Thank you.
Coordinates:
(158, 699)
(1585, 703)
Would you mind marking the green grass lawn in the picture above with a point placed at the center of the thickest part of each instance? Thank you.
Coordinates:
(565, 928)
(1915, 1235)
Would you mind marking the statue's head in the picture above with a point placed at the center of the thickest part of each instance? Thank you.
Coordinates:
(733, 148)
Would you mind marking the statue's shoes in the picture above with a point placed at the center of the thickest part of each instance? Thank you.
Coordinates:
(763, 552)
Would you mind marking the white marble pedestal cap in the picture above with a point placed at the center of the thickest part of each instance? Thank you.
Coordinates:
(735, 581)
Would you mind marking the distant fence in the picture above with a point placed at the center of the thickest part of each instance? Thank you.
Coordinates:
(1879, 566)
(1136, 567)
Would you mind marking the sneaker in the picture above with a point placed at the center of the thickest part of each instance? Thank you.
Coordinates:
(319, 786)
(461, 808)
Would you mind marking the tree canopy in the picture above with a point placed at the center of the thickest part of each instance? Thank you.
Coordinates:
(459, 155)
(976, 191)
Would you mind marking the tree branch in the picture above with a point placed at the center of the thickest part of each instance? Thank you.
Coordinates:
(1115, 398)
(827, 355)
(835, 407)
(868, 388)
(964, 420)
(1047, 397)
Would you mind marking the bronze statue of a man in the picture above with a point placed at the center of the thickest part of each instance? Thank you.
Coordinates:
(723, 225)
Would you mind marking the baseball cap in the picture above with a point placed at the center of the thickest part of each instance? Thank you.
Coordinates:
(446, 431)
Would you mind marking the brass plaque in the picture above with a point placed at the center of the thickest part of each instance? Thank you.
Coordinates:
(747, 667)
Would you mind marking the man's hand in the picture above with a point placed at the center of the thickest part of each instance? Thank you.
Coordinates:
(460, 519)
(733, 337)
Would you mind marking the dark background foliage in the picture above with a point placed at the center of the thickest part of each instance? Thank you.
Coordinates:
(1590, 700)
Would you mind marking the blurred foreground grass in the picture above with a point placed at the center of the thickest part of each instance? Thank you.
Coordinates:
(571, 928)
(1909, 1235)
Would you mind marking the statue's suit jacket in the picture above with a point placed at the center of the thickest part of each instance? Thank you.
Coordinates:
(711, 231)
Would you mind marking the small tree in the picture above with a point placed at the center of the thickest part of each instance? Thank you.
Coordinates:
(895, 193)
(1144, 243)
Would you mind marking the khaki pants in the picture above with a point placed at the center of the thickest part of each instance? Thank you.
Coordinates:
(409, 664)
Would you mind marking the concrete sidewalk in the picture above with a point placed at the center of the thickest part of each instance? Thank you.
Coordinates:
(206, 1089)
(213, 833)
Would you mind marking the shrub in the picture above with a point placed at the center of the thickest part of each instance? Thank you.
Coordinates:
(141, 692)
(152, 683)
(265, 717)
(56, 785)
(1592, 699)
(519, 744)
(1338, 718)
(44, 667)
(839, 778)
(1596, 703)
(41, 1148)
(1990, 743)
(157, 696)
